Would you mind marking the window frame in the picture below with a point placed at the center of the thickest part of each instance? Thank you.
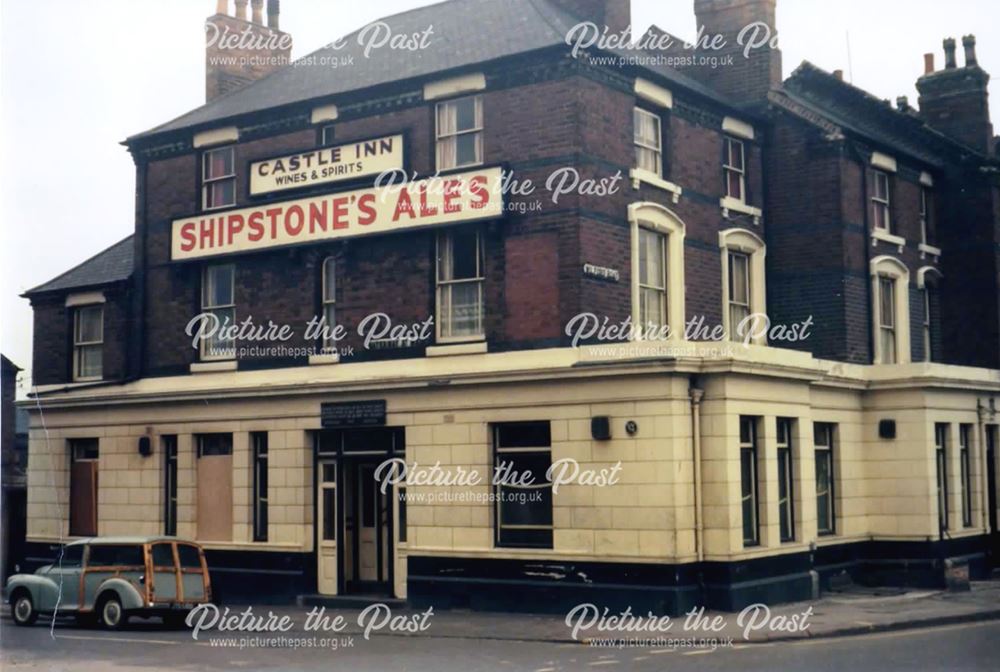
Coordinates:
(445, 244)
(826, 452)
(786, 479)
(890, 267)
(751, 245)
(260, 479)
(965, 471)
(168, 443)
(881, 204)
(640, 145)
(887, 289)
(328, 485)
(327, 135)
(209, 182)
(941, 432)
(731, 168)
(749, 458)
(478, 128)
(329, 304)
(204, 345)
(546, 541)
(926, 214)
(657, 219)
(661, 292)
(80, 346)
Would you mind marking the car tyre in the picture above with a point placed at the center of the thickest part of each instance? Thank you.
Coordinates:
(112, 614)
(22, 609)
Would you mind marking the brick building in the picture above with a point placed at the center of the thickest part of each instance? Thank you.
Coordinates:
(746, 466)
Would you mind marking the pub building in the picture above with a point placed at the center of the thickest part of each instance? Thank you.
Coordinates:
(854, 438)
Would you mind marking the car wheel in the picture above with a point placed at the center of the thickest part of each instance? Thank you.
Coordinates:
(23, 609)
(113, 615)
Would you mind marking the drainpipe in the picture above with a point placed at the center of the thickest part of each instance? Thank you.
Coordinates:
(696, 397)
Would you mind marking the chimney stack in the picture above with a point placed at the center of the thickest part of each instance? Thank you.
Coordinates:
(839, 74)
(949, 54)
(902, 103)
(969, 42)
(749, 78)
(273, 14)
(955, 101)
(222, 7)
(233, 63)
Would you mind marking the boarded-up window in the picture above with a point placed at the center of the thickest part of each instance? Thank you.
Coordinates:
(215, 487)
(83, 487)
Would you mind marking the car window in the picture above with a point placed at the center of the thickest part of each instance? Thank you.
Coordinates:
(163, 555)
(106, 555)
(72, 556)
(190, 559)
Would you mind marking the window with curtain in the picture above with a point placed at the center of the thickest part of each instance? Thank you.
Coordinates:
(88, 343)
(652, 279)
(739, 291)
(460, 280)
(881, 205)
(460, 133)
(329, 303)
(735, 169)
(217, 298)
(887, 318)
(648, 139)
(218, 178)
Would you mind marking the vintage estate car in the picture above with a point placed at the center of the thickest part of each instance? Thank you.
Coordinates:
(112, 578)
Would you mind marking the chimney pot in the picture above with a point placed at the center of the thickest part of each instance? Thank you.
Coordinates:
(949, 54)
(928, 64)
(241, 9)
(902, 103)
(222, 7)
(258, 11)
(839, 74)
(274, 14)
(969, 42)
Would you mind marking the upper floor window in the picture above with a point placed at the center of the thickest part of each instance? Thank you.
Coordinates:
(326, 135)
(218, 299)
(218, 178)
(743, 282)
(926, 224)
(657, 271)
(460, 279)
(460, 133)
(890, 311)
(925, 295)
(734, 166)
(881, 206)
(927, 284)
(652, 279)
(648, 140)
(88, 343)
(329, 302)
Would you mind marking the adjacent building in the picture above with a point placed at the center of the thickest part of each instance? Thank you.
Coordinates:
(855, 433)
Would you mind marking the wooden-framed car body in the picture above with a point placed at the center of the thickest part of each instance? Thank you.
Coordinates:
(113, 578)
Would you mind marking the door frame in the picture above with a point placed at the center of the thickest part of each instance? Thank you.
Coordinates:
(331, 444)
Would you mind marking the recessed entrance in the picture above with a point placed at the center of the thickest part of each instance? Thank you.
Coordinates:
(354, 518)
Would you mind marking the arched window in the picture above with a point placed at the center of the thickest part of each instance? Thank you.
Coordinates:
(927, 283)
(329, 302)
(657, 238)
(742, 283)
(890, 311)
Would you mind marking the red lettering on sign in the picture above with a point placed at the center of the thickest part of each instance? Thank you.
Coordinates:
(367, 209)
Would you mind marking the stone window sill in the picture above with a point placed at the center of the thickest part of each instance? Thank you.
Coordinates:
(213, 367)
(449, 350)
(320, 360)
(729, 204)
(929, 250)
(886, 237)
(638, 175)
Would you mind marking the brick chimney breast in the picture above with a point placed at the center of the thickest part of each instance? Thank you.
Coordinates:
(616, 15)
(749, 77)
(238, 51)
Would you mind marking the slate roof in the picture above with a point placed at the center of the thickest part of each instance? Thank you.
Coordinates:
(112, 265)
(465, 33)
(835, 106)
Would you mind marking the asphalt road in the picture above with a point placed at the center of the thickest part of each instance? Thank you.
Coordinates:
(149, 647)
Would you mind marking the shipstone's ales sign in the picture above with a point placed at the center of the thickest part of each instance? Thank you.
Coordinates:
(447, 199)
(326, 165)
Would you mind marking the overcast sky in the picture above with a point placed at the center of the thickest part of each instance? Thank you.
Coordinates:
(78, 76)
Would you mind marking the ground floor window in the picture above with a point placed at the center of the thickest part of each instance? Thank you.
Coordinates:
(258, 441)
(215, 487)
(522, 457)
(941, 453)
(786, 488)
(84, 454)
(328, 500)
(748, 471)
(169, 444)
(825, 478)
(964, 439)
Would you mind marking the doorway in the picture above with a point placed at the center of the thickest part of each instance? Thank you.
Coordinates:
(354, 518)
